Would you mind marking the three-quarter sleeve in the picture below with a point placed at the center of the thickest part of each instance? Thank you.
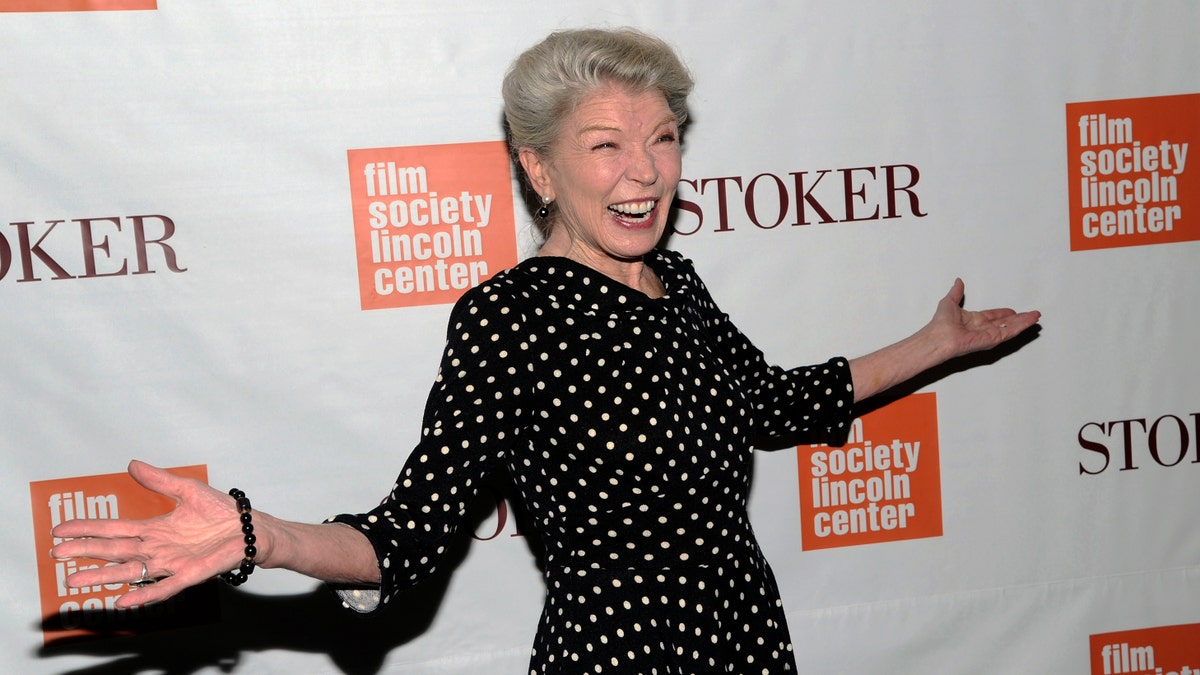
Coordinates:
(472, 416)
(812, 403)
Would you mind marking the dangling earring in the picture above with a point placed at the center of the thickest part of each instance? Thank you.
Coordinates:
(545, 210)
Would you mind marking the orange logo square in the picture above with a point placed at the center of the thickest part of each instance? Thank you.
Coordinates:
(884, 484)
(89, 612)
(430, 221)
(74, 5)
(1165, 650)
(1128, 169)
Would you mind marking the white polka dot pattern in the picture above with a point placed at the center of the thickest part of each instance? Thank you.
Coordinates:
(627, 424)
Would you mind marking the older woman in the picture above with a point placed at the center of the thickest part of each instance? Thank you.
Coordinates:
(602, 376)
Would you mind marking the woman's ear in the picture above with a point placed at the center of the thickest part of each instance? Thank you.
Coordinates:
(535, 167)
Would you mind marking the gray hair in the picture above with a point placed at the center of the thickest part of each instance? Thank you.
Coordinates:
(548, 80)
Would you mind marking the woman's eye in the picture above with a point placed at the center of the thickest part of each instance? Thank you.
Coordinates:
(604, 145)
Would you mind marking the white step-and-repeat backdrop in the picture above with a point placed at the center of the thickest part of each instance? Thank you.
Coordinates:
(191, 273)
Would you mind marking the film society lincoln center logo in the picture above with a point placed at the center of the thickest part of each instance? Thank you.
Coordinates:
(74, 5)
(1162, 650)
(883, 484)
(74, 613)
(1130, 179)
(430, 221)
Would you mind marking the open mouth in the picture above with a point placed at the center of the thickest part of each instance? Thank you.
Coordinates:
(635, 212)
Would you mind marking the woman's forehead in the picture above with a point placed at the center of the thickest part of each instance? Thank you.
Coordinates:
(615, 105)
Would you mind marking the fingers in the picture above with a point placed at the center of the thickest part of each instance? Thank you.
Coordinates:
(156, 592)
(957, 292)
(157, 480)
(98, 547)
(168, 584)
(997, 314)
(150, 477)
(958, 287)
(123, 574)
(1003, 325)
(114, 574)
(104, 528)
(1017, 323)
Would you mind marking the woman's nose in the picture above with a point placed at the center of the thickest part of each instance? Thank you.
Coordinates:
(642, 167)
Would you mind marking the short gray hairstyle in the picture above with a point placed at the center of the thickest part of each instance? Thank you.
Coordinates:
(547, 81)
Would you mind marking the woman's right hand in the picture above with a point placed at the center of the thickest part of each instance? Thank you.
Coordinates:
(199, 539)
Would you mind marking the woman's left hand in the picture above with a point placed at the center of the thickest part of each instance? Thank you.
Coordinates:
(958, 331)
(952, 332)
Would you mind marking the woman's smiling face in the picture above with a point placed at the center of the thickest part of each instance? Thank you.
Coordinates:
(612, 174)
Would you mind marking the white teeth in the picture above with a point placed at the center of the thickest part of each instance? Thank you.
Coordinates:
(634, 208)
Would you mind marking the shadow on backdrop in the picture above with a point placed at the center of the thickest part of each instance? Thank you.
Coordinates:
(313, 622)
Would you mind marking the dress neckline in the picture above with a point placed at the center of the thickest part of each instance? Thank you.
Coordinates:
(653, 259)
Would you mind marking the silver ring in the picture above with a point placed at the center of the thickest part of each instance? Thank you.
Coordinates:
(144, 580)
(1004, 325)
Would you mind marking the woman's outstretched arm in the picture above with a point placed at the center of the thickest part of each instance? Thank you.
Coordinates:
(201, 538)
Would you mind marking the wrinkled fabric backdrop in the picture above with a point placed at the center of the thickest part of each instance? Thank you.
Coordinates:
(221, 249)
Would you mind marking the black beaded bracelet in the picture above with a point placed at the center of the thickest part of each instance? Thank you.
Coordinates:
(238, 577)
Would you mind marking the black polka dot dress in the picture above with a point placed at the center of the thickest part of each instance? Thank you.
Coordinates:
(627, 425)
